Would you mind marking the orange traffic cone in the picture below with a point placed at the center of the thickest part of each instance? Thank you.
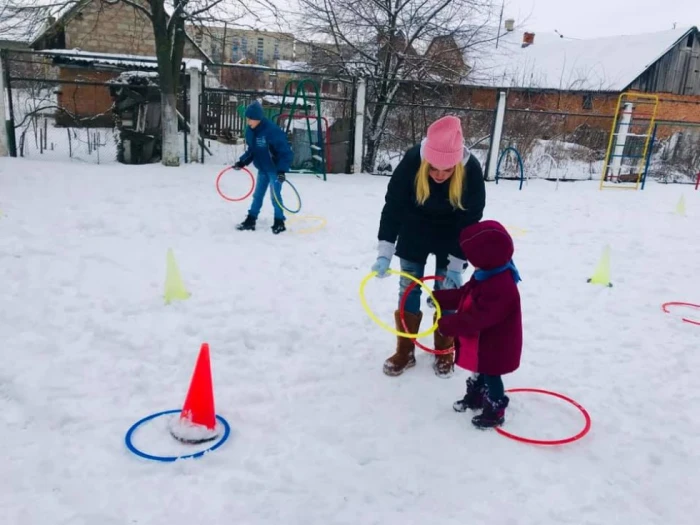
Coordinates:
(197, 421)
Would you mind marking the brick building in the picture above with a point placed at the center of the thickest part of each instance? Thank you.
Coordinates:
(226, 44)
(585, 77)
(93, 41)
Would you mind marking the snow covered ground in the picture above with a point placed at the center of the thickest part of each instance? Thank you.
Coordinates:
(319, 434)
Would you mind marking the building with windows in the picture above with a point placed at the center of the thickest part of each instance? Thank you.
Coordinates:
(232, 45)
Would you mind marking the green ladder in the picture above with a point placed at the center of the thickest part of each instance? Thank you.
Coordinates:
(318, 152)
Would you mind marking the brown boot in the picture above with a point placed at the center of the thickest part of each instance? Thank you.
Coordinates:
(444, 363)
(404, 357)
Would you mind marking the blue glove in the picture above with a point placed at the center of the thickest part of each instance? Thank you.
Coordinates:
(385, 251)
(381, 266)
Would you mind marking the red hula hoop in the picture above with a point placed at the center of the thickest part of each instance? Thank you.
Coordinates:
(402, 314)
(252, 184)
(665, 306)
(586, 416)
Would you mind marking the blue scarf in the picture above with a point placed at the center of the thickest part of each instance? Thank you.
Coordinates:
(482, 275)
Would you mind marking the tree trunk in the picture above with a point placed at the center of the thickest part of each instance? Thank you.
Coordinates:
(170, 42)
(171, 137)
(370, 156)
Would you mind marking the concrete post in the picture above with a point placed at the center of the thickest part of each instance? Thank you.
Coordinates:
(4, 139)
(495, 147)
(359, 125)
(194, 91)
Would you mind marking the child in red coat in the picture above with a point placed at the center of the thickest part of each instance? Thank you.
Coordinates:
(487, 326)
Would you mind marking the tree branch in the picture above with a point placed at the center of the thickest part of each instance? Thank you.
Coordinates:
(132, 4)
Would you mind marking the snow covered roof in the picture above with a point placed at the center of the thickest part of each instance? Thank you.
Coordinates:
(88, 57)
(553, 62)
(290, 65)
(51, 17)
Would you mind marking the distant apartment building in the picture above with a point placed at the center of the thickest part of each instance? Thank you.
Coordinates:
(233, 45)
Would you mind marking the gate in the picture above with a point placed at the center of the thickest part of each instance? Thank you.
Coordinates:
(222, 109)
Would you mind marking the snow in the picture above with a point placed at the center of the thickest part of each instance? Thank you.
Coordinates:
(290, 65)
(552, 62)
(319, 434)
(89, 57)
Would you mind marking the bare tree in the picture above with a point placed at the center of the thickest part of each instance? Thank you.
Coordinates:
(20, 19)
(382, 41)
(169, 19)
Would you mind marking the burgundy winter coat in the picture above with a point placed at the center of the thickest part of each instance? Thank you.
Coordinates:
(488, 324)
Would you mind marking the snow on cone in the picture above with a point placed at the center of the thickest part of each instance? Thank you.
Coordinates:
(174, 287)
(197, 421)
(602, 271)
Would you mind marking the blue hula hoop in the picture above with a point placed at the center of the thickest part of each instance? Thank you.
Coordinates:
(278, 201)
(520, 164)
(134, 450)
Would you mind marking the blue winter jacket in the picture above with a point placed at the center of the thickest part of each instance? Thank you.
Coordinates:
(267, 148)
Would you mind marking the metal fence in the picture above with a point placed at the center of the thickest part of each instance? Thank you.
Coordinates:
(83, 107)
(415, 107)
(96, 108)
(291, 98)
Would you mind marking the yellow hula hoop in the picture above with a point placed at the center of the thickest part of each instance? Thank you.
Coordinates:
(311, 229)
(516, 231)
(388, 328)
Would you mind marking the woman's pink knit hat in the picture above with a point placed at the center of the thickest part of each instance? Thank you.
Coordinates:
(444, 145)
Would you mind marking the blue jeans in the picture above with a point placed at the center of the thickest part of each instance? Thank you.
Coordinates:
(417, 270)
(263, 181)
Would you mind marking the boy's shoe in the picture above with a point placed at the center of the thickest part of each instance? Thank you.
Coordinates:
(247, 224)
(473, 399)
(278, 226)
(493, 415)
(404, 356)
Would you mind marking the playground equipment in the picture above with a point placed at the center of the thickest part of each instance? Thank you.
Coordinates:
(319, 153)
(520, 165)
(630, 137)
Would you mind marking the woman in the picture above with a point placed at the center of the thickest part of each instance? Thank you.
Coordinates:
(436, 190)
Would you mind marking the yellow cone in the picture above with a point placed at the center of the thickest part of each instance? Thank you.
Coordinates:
(174, 287)
(680, 208)
(602, 271)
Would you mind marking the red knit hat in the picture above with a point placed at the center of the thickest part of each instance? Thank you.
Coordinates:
(444, 145)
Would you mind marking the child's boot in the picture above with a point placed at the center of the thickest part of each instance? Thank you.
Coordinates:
(474, 398)
(247, 224)
(404, 356)
(494, 413)
(443, 365)
(278, 226)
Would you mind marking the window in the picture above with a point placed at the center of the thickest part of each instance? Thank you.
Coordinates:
(276, 54)
(260, 55)
(588, 101)
(244, 47)
(235, 50)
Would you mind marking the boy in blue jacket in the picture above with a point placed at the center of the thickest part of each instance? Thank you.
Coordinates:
(269, 151)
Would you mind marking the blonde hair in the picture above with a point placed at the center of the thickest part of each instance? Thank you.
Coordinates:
(456, 184)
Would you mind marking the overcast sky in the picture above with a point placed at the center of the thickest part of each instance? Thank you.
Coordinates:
(593, 18)
(590, 18)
